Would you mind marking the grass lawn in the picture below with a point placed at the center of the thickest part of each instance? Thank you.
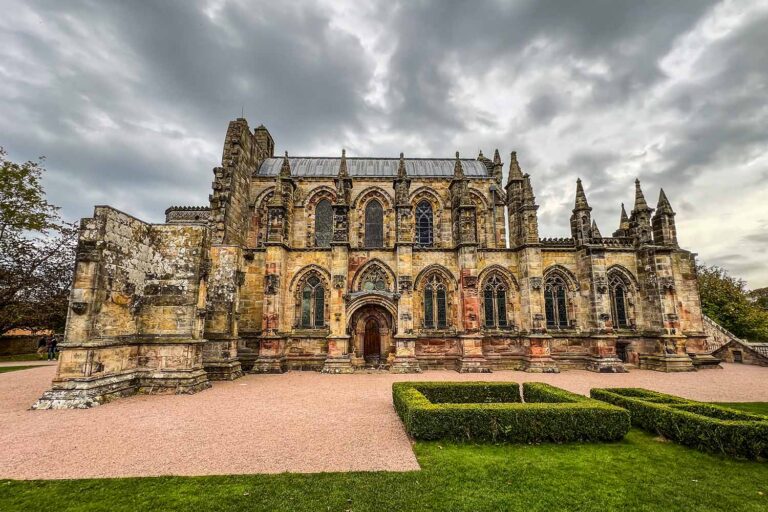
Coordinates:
(23, 357)
(638, 473)
(753, 407)
(6, 369)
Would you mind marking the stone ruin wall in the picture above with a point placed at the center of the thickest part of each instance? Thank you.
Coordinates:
(135, 315)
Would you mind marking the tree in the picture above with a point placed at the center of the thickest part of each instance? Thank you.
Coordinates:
(725, 300)
(760, 297)
(37, 251)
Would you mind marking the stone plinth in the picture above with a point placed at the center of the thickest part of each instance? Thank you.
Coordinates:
(539, 358)
(472, 358)
(405, 356)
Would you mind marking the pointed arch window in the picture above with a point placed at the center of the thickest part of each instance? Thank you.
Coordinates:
(618, 290)
(495, 303)
(435, 304)
(323, 223)
(374, 224)
(312, 303)
(555, 303)
(424, 235)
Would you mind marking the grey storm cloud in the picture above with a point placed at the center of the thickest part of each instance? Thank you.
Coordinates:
(129, 101)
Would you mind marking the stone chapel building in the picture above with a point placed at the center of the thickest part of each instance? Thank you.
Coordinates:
(335, 264)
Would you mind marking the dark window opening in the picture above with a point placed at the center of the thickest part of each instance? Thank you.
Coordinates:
(374, 224)
(323, 224)
(424, 224)
(555, 303)
(312, 304)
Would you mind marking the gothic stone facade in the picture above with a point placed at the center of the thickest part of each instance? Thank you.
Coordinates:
(333, 264)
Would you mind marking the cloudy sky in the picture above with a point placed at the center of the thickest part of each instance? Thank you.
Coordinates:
(129, 101)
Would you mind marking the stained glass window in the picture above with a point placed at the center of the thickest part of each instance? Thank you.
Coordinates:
(501, 306)
(442, 316)
(429, 315)
(323, 224)
(424, 224)
(312, 303)
(374, 224)
(495, 302)
(555, 303)
(435, 303)
(488, 306)
(619, 302)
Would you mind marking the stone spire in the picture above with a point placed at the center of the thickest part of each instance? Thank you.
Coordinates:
(343, 181)
(285, 170)
(528, 197)
(595, 231)
(515, 173)
(401, 172)
(640, 203)
(402, 184)
(581, 218)
(624, 220)
(640, 220)
(581, 198)
(343, 173)
(663, 222)
(496, 157)
(458, 170)
(663, 205)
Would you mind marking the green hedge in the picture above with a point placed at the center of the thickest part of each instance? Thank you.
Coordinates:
(699, 425)
(482, 411)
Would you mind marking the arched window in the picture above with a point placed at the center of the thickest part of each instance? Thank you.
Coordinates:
(424, 224)
(435, 304)
(555, 303)
(495, 302)
(323, 224)
(312, 303)
(618, 292)
(374, 224)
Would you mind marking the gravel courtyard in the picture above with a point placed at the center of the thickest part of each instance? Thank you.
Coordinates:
(296, 422)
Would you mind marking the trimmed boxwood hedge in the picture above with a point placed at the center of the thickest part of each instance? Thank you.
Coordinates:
(493, 411)
(699, 425)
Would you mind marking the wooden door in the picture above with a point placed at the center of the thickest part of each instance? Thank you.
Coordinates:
(372, 340)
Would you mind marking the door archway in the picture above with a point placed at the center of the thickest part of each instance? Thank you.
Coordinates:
(372, 342)
(371, 333)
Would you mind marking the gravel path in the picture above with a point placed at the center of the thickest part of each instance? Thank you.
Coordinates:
(27, 363)
(297, 422)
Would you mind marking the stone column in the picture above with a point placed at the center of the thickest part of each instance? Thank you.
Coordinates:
(339, 359)
(472, 357)
(592, 269)
(539, 358)
(224, 280)
(405, 342)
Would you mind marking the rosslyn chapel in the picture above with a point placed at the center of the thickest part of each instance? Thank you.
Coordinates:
(337, 264)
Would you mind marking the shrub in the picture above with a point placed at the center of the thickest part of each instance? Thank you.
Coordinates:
(703, 426)
(482, 411)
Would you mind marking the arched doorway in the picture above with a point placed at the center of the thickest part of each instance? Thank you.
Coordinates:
(371, 330)
(372, 343)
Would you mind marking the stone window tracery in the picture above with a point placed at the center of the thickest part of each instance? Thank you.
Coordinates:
(311, 302)
(374, 279)
(495, 303)
(620, 291)
(435, 303)
(374, 224)
(555, 302)
(424, 224)
(323, 223)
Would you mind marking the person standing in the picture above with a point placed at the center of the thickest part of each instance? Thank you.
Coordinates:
(50, 345)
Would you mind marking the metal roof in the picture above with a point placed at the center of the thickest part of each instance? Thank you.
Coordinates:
(374, 167)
